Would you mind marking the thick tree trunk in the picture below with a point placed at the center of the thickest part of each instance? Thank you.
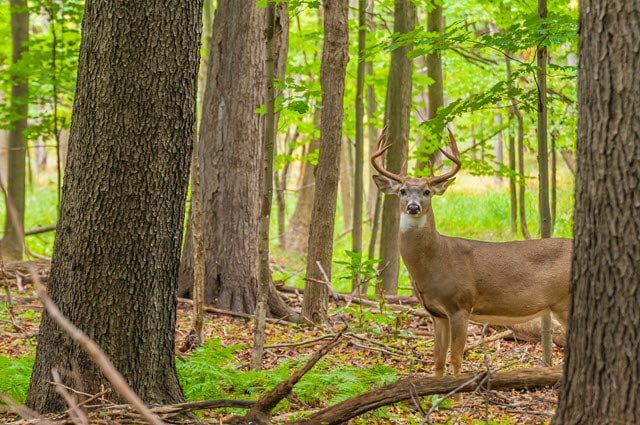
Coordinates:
(231, 155)
(602, 371)
(116, 254)
(398, 113)
(11, 243)
(332, 79)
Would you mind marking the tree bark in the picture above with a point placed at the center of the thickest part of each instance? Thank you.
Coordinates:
(116, 255)
(358, 186)
(398, 113)
(231, 157)
(435, 24)
(602, 372)
(332, 79)
(12, 242)
(543, 171)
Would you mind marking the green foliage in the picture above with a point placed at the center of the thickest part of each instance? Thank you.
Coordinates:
(49, 66)
(331, 382)
(211, 373)
(16, 373)
(357, 267)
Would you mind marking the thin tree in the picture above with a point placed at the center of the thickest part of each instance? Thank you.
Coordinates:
(116, 256)
(358, 187)
(601, 382)
(397, 116)
(267, 189)
(435, 97)
(11, 245)
(543, 169)
(332, 79)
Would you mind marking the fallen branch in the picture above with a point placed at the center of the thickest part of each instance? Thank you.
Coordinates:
(427, 385)
(260, 413)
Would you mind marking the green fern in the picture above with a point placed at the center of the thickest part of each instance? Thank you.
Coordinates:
(15, 373)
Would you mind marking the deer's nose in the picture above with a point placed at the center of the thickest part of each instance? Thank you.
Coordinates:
(413, 208)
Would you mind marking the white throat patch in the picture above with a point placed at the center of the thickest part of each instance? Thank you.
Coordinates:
(409, 222)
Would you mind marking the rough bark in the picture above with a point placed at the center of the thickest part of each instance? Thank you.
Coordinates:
(231, 155)
(11, 243)
(332, 79)
(602, 372)
(397, 116)
(116, 255)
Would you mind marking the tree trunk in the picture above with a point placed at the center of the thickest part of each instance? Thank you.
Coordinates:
(117, 251)
(602, 373)
(297, 234)
(267, 188)
(543, 171)
(358, 187)
(345, 186)
(231, 157)
(398, 113)
(435, 24)
(332, 79)
(497, 148)
(12, 241)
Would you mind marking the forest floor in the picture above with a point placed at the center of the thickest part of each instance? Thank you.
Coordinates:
(401, 339)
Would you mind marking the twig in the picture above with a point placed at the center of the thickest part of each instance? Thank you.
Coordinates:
(227, 312)
(77, 415)
(301, 343)
(12, 316)
(26, 413)
(494, 337)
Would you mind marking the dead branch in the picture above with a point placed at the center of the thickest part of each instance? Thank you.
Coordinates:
(260, 413)
(427, 385)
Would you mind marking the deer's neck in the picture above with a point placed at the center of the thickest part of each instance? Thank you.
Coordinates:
(418, 233)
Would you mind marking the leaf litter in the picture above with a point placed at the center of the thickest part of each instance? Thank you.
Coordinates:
(379, 340)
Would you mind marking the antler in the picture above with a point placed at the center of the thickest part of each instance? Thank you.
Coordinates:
(381, 148)
(454, 156)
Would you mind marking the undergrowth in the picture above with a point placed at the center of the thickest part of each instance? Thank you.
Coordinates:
(212, 373)
(15, 373)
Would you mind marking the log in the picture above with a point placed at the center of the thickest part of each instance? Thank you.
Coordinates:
(407, 388)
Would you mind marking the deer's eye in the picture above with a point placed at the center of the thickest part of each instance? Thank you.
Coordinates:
(427, 192)
(403, 192)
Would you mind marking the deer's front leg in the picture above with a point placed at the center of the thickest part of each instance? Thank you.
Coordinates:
(459, 322)
(441, 344)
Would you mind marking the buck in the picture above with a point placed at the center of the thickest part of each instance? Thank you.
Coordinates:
(457, 280)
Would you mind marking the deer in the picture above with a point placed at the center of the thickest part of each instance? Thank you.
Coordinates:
(456, 279)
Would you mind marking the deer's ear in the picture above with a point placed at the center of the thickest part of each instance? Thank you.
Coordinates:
(386, 185)
(441, 187)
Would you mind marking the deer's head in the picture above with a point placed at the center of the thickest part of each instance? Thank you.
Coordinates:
(415, 192)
